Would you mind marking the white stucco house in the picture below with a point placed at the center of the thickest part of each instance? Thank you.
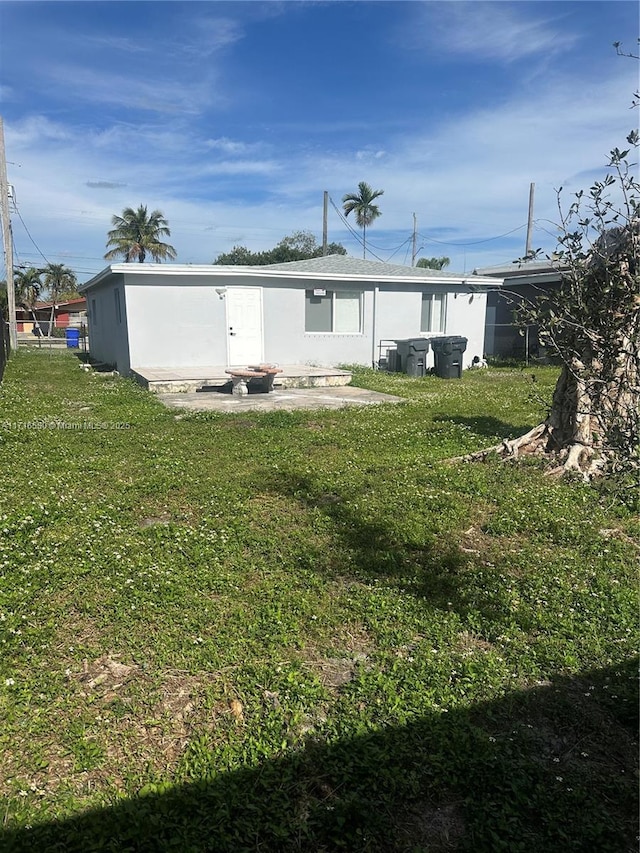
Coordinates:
(325, 311)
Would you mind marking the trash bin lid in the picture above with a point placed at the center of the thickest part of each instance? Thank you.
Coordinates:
(416, 344)
(457, 342)
(419, 344)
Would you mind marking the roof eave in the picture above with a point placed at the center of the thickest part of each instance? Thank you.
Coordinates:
(474, 282)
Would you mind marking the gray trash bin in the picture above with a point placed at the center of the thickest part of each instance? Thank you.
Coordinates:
(393, 361)
(447, 356)
(412, 354)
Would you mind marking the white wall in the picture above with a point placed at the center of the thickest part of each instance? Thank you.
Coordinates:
(180, 321)
(466, 316)
(399, 314)
(176, 325)
(286, 342)
(108, 333)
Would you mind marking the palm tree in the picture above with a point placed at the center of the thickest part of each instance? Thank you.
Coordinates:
(366, 211)
(58, 279)
(28, 287)
(137, 233)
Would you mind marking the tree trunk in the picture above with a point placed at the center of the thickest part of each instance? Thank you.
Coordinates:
(594, 415)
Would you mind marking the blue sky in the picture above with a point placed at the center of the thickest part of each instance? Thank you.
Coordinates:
(234, 118)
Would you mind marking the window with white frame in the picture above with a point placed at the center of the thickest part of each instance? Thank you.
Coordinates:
(434, 308)
(338, 311)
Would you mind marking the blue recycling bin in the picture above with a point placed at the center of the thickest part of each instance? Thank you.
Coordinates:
(73, 338)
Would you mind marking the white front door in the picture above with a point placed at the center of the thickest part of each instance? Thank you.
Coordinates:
(244, 325)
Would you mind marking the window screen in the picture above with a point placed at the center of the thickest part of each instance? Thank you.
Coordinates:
(338, 311)
(346, 311)
(433, 312)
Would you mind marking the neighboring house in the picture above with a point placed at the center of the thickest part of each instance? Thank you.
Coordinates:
(505, 337)
(325, 312)
(71, 314)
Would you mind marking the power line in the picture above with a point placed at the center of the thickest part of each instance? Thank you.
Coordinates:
(29, 233)
(360, 240)
(475, 242)
(348, 226)
(404, 243)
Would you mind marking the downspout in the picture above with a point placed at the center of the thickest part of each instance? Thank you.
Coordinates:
(374, 327)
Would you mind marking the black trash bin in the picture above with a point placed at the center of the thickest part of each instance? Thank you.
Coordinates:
(412, 356)
(447, 356)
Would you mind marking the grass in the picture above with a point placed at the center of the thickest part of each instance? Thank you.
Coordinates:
(307, 631)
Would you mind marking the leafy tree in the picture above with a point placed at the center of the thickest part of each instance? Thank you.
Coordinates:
(434, 263)
(299, 246)
(239, 256)
(302, 242)
(28, 288)
(593, 326)
(58, 280)
(137, 233)
(361, 203)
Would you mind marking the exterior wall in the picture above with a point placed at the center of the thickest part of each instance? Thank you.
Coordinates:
(180, 320)
(176, 322)
(108, 334)
(399, 313)
(285, 339)
(466, 316)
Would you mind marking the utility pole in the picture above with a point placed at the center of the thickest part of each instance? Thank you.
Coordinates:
(528, 248)
(7, 243)
(413, 249)
(324, 223)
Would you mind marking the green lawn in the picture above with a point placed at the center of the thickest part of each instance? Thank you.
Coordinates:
(307, 631)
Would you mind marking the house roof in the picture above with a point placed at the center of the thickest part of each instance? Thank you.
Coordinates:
(545, 270)
(68, 302)
(329, 268)
(345, 265)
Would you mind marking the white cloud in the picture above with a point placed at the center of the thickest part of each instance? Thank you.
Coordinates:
(126, 91)
(238, 167)
(36, 130)
(494, 31)
(368, 155)
(211, 34)
(124, 44)
(230, 146)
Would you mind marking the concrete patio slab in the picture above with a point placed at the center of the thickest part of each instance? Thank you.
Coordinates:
(167, 380)
(286, 400)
